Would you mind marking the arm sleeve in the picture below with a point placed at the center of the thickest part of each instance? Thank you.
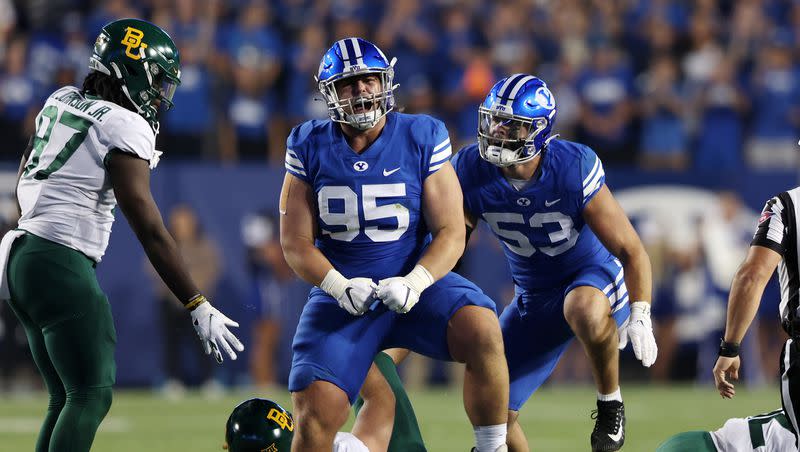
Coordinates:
(772, 224)
(592, 175)
(438, 150)
(296, 162)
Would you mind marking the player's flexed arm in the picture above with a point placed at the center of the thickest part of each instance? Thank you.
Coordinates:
(298, 225)
(444, 215)
(606, 218)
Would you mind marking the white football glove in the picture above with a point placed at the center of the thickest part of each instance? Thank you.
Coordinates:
(640, 332)
(401, 293)
(354, 295)
(212, 329)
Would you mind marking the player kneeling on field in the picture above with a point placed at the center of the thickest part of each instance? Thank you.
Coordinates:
(259, 425)
(385, 419)
(768, 432)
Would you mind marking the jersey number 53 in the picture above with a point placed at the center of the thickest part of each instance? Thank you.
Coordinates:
(347, 211)
(562, 239)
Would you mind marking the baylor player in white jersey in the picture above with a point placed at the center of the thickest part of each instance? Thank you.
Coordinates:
(65, 192)
(93, 148)
(768, 432)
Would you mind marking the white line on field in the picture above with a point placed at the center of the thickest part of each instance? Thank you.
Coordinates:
(32, 425)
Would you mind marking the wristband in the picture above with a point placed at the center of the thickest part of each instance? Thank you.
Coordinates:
(419, 278)
(195, 301)
(642, 306)
(728, 349)
(334, 283)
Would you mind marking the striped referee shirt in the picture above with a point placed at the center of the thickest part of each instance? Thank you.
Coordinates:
(777, 230)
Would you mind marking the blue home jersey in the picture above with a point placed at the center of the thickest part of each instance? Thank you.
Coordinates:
(541, 227)
(369, 204)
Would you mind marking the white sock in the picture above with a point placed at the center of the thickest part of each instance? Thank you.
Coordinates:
(489, 437)
(616, 395)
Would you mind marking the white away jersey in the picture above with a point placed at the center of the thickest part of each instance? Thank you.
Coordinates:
(65, 193)
(769, 432)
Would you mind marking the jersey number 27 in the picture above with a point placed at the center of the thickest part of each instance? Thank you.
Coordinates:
(44, 127)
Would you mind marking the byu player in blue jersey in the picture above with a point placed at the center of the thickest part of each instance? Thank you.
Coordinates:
(567, 242)
(372, 215)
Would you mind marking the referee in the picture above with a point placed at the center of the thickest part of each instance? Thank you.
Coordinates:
(774, 245)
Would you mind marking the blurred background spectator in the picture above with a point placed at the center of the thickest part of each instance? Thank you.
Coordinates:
(275, 298)
(694, 108)
(200, 254)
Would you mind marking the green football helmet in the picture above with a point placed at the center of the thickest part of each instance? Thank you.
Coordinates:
(259, 425)
(144, 59)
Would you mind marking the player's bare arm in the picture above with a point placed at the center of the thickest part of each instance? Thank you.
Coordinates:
(606, 218)
(298, 210)
(130, 179)
(609, 222)
(298, 226)
(746, 290)
(470, 223)
(444, 214)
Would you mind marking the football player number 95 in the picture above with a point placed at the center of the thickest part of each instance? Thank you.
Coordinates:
(346, 205)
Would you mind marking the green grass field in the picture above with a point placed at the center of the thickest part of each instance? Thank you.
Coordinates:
(555, 419)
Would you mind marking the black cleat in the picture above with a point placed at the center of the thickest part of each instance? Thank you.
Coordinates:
(609, 427)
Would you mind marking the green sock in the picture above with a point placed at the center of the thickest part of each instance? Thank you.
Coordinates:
(406, 436)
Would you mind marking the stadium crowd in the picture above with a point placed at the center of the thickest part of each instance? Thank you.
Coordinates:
(660, 83)
(656, 84)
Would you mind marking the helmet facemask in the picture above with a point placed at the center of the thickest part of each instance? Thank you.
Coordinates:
(362, 112)
(506, 139)
(145, 62)
(156, 96)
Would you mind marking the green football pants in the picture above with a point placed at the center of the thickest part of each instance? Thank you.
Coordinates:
(406, 436)
(695, 441)
(67, 318)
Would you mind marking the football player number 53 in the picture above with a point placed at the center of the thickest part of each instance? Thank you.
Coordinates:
(562, 239)
(344, 203)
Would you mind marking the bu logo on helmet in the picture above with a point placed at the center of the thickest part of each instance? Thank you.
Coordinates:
(280, 418)
(133, 40)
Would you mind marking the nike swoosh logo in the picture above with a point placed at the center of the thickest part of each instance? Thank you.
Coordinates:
(408, 292)
(550, 203)
(389, 173)
(616, 437)
(347, 292)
